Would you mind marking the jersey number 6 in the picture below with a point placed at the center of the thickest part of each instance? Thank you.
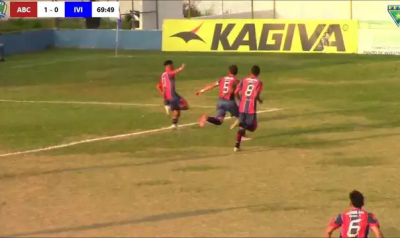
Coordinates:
(354, 228)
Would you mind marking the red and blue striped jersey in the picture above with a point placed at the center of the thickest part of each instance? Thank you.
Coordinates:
(227, 86)
(249, 87)
(354, 223)
(167, 81)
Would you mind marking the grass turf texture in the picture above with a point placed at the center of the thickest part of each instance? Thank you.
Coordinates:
(339, 131)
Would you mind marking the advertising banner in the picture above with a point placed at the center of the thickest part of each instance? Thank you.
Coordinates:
(287, 36)
(379, 39)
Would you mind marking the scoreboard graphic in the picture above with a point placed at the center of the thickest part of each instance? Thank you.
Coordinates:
(64, 9)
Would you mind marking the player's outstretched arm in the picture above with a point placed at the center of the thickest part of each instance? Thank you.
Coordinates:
(207, 88)
(179, 69)
(329, 231)
(377, 231)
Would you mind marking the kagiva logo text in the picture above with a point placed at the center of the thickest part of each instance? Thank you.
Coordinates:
(319, 38)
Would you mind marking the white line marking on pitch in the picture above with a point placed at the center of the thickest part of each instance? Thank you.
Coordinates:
(95, 103)
(111, 137)
(72, 59)
(55, 61)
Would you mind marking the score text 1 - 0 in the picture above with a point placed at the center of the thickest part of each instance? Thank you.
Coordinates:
(50, 9)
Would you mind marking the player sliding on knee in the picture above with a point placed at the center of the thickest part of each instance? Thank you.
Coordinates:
(226, 103)
(166, 87)
(248, 92)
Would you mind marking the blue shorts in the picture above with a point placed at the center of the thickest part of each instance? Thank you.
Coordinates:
(176, 103)
(248, 121)
(225, 105)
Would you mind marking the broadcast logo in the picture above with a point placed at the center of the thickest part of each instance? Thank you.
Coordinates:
(394, 12)
(3, 9)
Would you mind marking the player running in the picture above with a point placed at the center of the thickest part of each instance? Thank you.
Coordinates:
(248, 92)
(166, 88)
(226, 103)
(355, 222)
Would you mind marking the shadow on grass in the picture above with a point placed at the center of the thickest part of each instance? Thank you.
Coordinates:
(276, 208)
(153, 183)
(318, 113)
(199, 168)
(154, 218)
(293, 144)
(122, 165)
(353, 162)
(316, 143)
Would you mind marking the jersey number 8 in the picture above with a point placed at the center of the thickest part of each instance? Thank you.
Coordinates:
(249, 90)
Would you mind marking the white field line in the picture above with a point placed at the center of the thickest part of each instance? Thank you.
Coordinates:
(29, 65)
(95, 103)
(25, 64)
(111, 137)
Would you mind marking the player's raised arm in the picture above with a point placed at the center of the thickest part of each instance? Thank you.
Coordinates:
(179, 69)
(207, 88)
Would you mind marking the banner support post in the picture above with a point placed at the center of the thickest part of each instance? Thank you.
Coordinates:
(222, 9)
(252, 9)
(189, 10)
(274, 9)
(351, 9)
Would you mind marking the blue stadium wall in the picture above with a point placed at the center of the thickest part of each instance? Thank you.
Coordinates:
(23, 42)
(32, 41)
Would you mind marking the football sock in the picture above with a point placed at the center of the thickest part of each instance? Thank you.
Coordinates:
(214, 121)
(175, 121)
(239, 135)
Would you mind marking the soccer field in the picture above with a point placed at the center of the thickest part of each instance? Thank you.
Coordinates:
(83, 151)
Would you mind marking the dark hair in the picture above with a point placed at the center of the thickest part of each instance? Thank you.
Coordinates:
(233, 69)
(357, 199)
(168, 62)
(255, 70)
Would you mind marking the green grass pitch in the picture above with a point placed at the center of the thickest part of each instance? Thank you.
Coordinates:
(339, 130)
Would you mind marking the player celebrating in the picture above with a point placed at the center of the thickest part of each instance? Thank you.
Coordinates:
(355, 222)
(248, 92)
(166, 88)
(226, 102)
